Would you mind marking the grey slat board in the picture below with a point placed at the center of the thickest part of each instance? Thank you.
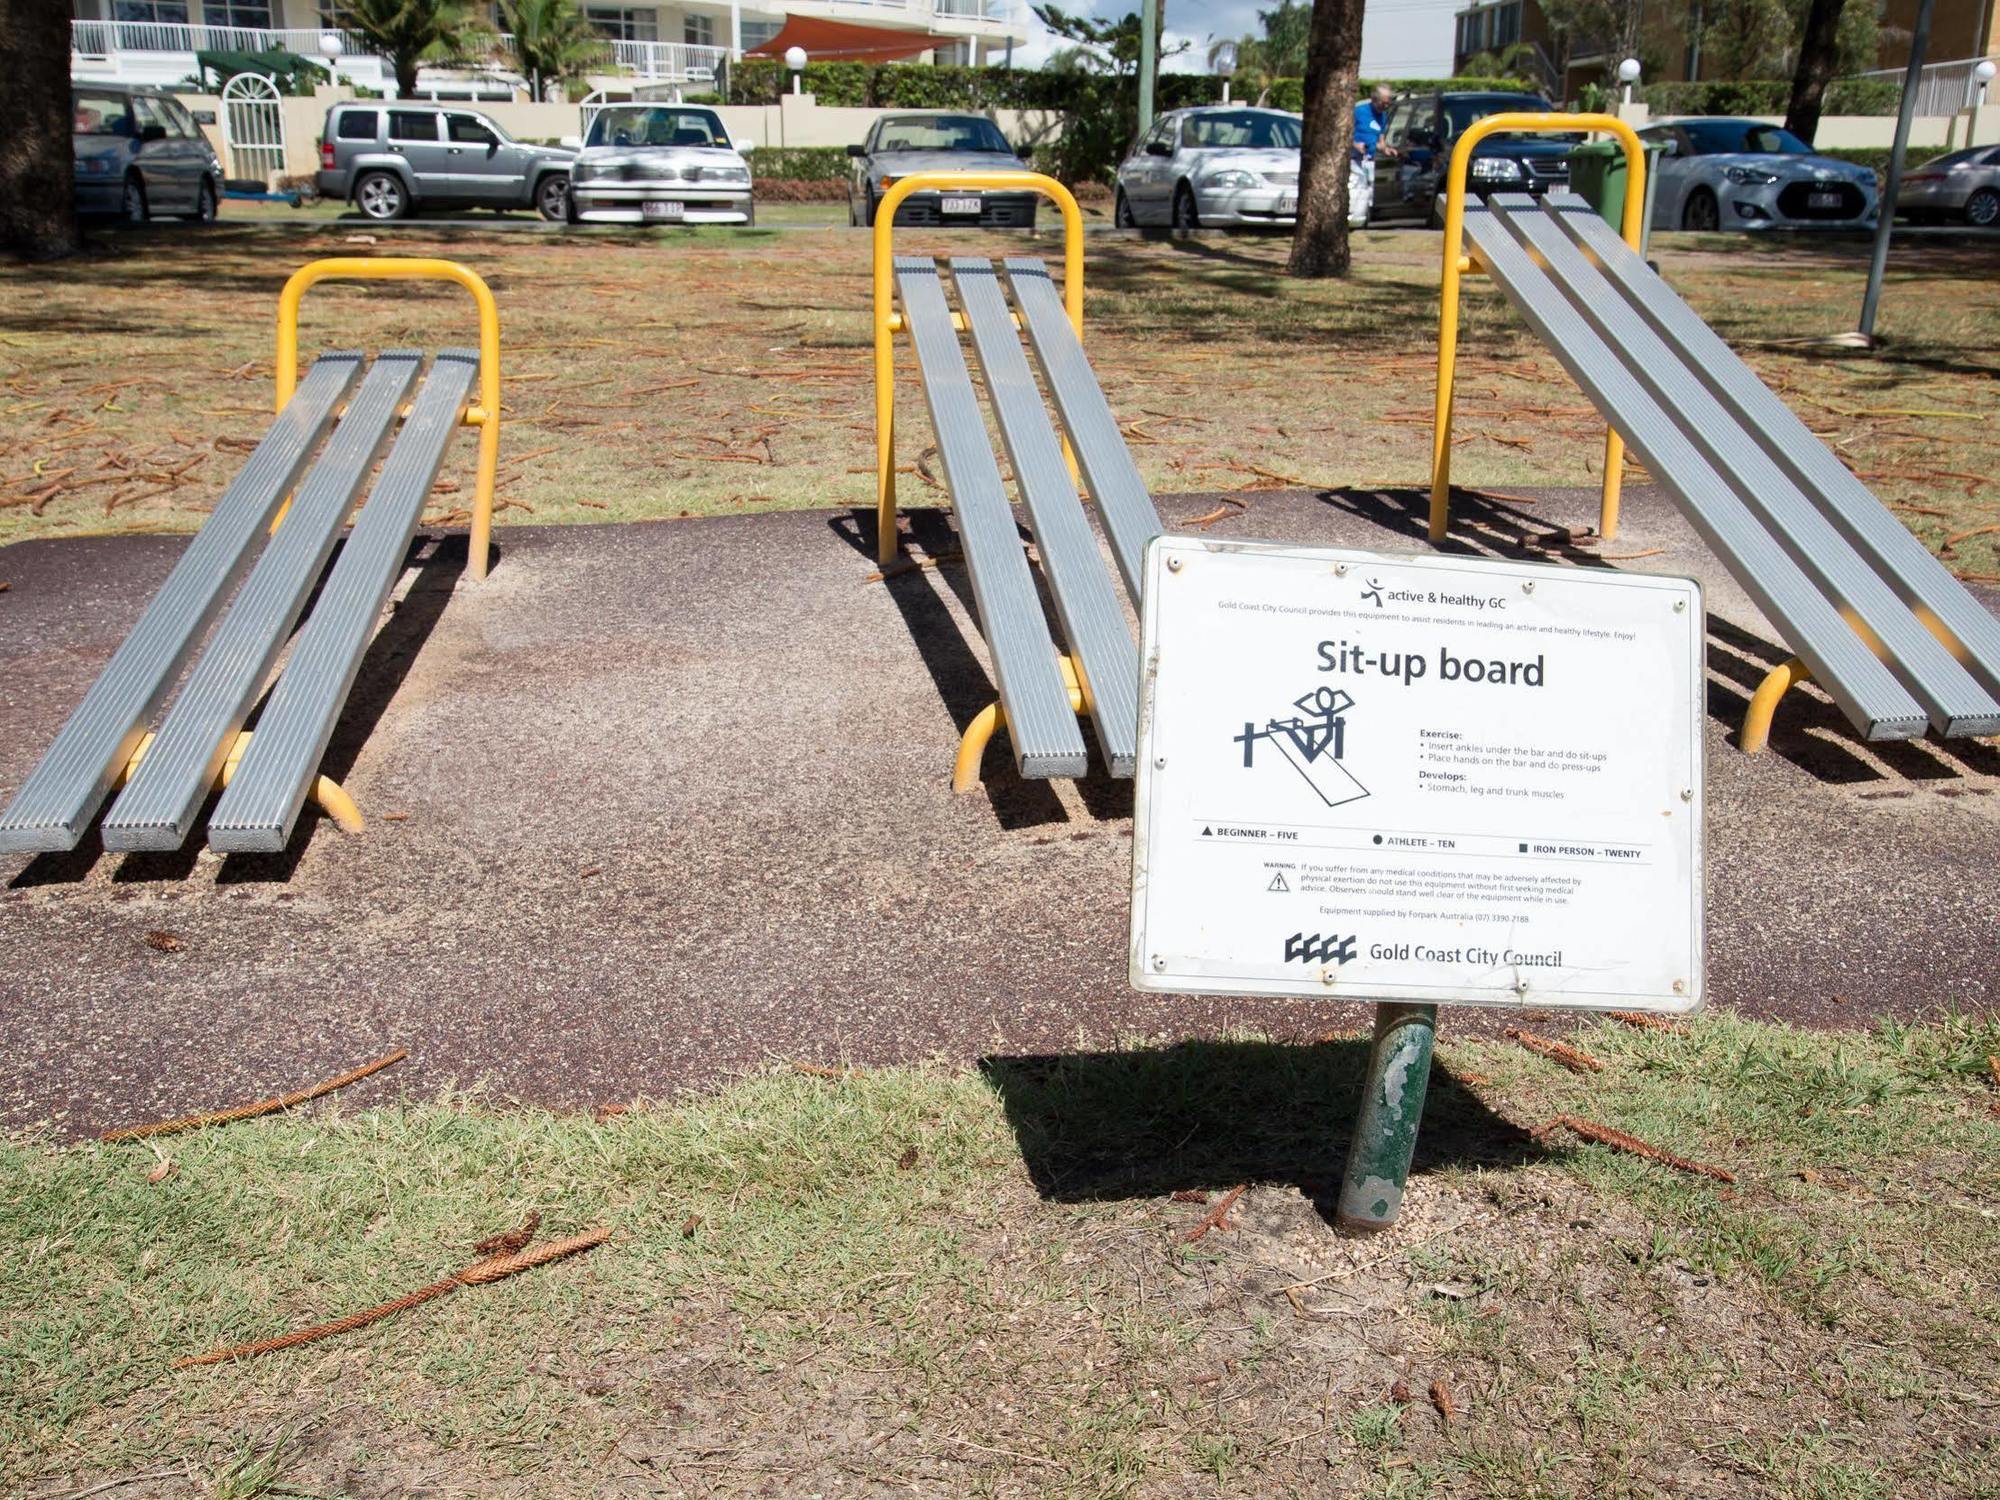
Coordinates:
(62, 794)
(262, 803)
(1878, 705)
(1108, 471)
(1904, 562)
(158, 806)
(1087, 603)
(1956, 704)
(1040, 722)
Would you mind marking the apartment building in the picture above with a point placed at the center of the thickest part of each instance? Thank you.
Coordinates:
(1962, 32)
(156, 41)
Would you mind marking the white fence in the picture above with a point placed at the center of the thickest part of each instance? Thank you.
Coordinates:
(1943, 88)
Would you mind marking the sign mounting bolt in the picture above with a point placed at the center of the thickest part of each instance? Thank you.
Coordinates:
(1159, 762)
(1160, 961)
(1680, 986)
(1173, 565)
(1340, 570)
(1528, 587)
(1680, 606)
(1687, 794)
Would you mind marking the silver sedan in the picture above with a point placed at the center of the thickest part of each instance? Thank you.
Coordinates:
(659, 164)
(1727, 173)
(1220, 166)
(1963, 185)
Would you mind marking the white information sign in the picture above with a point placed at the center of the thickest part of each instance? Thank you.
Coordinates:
(1419, 778)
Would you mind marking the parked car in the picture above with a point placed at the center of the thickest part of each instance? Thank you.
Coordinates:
(1414, 155)
(1719, 172)
(139, 153)
(390, 158)
(1222, 166)
(1961, 185)
(660, 164)
(937, 141)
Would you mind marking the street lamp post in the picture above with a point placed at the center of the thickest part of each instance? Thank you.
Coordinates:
(331, 46)
(795, 59)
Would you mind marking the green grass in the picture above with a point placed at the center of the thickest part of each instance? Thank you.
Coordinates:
(980, 1282)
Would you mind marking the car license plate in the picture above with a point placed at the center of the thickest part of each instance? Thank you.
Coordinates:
(651, 210)
(1288, 204)
(1822, 200)
(958, 205)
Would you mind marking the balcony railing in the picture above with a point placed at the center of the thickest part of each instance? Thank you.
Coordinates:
(670, 62)
(102, 38)
(1943, 88)
(974, 10)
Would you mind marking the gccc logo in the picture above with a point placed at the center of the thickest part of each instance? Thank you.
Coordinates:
(1308, 948)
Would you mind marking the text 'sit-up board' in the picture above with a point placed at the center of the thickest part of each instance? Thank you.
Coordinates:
(1421, 778)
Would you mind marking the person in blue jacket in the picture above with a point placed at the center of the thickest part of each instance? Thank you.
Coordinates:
(1369, 117)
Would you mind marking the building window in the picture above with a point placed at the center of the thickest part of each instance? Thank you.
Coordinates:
(251, 13)
(625, 25)
(698, 31)
(161, 12)
(756, 33)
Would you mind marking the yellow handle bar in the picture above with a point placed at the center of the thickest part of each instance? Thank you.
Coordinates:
(485, 416)
(1455, 264)
(886, 321)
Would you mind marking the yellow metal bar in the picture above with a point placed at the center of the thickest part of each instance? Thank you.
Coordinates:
(990, 720)
(485, 415)
(1456, 263)
(1781, 679)
(327, 794)
(888, 322)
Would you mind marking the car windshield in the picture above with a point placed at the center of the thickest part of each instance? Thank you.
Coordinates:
(101, 114)
(941, 133)
(1464, 110)
(1734, 137)
(1250, 129)
(655, 125)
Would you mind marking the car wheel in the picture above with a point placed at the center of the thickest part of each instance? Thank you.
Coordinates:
(1701, 212)
(133, 209)
(1186, 216)
(552, 197)
(1983, 208)
(869, 222)
(380, 195)
(204, 205)
(1121, 212)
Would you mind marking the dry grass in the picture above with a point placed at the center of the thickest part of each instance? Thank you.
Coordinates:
(940, 1282)
(652, 376)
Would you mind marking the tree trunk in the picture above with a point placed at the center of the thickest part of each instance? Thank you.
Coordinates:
(406, 73)
(1333, 60)
(37, 157)
(1818, 49)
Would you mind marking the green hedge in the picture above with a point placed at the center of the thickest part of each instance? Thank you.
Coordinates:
(1097, 112)
(800, 163)
(1769, 96)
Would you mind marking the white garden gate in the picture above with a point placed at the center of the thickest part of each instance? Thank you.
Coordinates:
(253, 128)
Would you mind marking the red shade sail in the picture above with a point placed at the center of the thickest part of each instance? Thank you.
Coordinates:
(843, 41)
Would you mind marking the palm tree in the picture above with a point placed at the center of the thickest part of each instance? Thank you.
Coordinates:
(410, 32)
(552, 39)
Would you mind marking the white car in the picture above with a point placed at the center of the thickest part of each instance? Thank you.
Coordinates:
(1729, 173)
(659, 164)
(1220, 166)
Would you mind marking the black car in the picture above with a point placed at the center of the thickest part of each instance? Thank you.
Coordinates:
(1415, 153)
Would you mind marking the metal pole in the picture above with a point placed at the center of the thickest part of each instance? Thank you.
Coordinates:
(1392, 1107)
(1149, 59)
(1885, 217)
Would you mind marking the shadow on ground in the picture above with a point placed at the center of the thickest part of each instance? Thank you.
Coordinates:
(1206, 1115)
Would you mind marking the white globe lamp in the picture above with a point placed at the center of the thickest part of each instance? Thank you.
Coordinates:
(795, 60)
(1628, 74)
(1981, 76)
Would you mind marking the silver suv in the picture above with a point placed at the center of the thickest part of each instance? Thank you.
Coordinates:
(392, 156)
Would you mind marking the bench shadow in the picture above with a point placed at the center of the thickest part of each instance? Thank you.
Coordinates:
(387, 661)
(439, 561)
(1809, 730)
(961, 679)
(1207, 1115)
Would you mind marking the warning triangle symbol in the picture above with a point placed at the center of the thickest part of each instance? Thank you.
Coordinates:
(1278, 883)
(1207, 832)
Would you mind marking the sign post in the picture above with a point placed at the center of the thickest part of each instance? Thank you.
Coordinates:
(1416, 780)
